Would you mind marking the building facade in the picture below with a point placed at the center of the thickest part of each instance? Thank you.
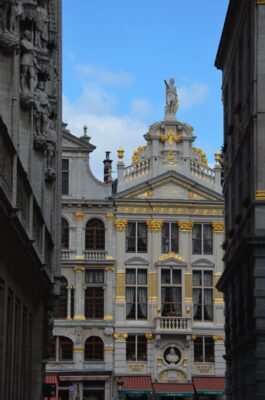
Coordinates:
(241, 57)
(139, 314)
(30, 143)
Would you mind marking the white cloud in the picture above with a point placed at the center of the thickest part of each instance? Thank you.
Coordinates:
(141, 108)
(190, 96)
(103, 77)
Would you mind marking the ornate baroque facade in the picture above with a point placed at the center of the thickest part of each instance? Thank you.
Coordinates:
(30, 142)
(241, 57)
(139, 311)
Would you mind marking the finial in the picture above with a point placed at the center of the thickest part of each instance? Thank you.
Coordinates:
(120, 153)
(217, 157)
(85, 130)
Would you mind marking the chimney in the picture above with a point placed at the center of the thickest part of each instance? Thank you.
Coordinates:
(107, 168)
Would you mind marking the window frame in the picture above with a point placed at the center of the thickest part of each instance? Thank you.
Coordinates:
(92, 306)
(169, 289)
(203, 289)
(202, 239)
(96, 357)
(204, 356)
(136, 304)
(136, 237)
(65, 176)
(138, 342)
(96, 235)
(65, 234)
(170, 238)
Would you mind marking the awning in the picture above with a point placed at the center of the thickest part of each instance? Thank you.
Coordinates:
(81, 378)
(51, 379)
(173, 389)
(135, 385)
(209, 384)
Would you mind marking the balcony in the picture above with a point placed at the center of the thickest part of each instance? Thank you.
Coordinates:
(88, 255)
(173, 325)
(68, 254)
(95, 255)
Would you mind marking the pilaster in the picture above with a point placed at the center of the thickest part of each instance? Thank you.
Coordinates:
(120, 352)
(185, 229)
(219, 351)
(80, 236)
(108, 297)
(218, 238)
(79, 293)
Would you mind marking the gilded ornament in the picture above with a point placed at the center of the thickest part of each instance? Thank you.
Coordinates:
(108, 318)
(218, 227)
(109, 216)
(80, 257)
(170, 158)
(120, 335)
(260, 1)
(79, 216)
(203, 161)
(159, 360)
(154, 225)
(260, 194)
(121, 224)
(79, 350)
(185, 226)
(136, 367)
(136, 154)
(79, 317)
(109, 258)
(185, 361)
(188, 311)
(108, 350)
(79, 269)
(170, 137)
(109, 269)
(120, 153)
(169, 255)
(149, 336)
(193, 337)
(219, 301)
(218, 338)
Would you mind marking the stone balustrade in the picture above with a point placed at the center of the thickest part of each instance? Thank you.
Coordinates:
(68, 254)
(95, 254)
(135, 170)
(173, 324)
(202, 172)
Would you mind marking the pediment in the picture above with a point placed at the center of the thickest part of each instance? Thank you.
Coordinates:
(172, 187)
(171, 260)
(74, 143)
(136, 261)
(202, 263)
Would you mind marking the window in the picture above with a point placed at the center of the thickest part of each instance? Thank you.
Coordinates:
(170, 238)
(95, 234)
(136, 348)
(65, 176)
(136, 293)
(94, 294)
(171, 297)
(61, 301)
(65, 234)
(94, 349)
(204, 349)
(136, 237)
(65, 349)
(202, 295)
(202, 239)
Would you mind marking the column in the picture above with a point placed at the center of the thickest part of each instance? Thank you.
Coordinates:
(69, 288)
(79, 293)
(120, 352)
(80, 235)
(120, 309)
(108, 297)
(154, 251)
(185, 248)
(219, 351)
(109, 237)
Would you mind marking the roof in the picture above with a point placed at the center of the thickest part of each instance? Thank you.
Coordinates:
(209, 384)
(173, 389)
(136, 384)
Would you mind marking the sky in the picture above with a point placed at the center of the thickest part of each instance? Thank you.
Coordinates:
(116, 55)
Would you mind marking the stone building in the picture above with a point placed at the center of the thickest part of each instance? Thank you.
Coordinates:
(241, 57)
(30, 143)
(139, 312)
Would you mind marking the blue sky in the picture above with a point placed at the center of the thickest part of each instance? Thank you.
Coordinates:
(116, 54)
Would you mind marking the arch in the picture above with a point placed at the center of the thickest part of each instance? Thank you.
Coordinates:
(65, 234)
(95, 234)
(65, 349)
(94, 349)
(62, 300)
(202, 262)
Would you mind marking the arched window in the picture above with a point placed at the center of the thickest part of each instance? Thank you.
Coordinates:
(65, 348)
(95, 235)
(65, 234)
(94, 349)
(61, 302)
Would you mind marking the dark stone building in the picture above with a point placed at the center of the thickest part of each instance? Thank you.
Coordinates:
(30, 142)
(241, 57)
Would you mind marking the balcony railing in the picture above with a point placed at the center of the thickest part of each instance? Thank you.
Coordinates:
(173, 324)
(95, 254)
(68, 254)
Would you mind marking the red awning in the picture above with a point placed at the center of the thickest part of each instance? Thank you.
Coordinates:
(81, 378)
(52, 379)
(173, 389)
(135, 384)
(209, 384)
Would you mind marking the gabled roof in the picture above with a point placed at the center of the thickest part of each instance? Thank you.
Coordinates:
(193, 187)
(74, 144)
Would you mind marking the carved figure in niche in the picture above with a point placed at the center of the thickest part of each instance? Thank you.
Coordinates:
(42, 33)
(42, 110)
(171, 98)
(29, 65)
(11, 11)
(172, 357)
(50, 152)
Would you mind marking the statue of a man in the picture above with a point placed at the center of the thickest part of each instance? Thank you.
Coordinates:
(171, 98)
(11, 10)
(50, 151)
(42, 33)
(42, 109)
(29, 65)
(172, 357)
